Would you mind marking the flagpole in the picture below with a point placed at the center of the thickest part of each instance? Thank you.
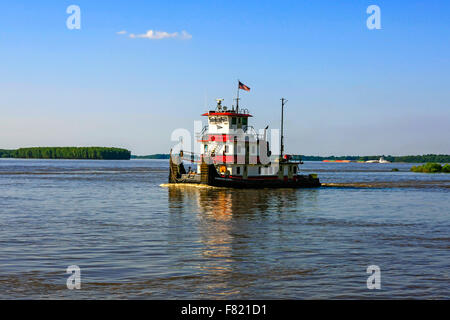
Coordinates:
(237, 100)
(283, 102)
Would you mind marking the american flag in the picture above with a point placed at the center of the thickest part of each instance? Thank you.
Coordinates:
(243, 86)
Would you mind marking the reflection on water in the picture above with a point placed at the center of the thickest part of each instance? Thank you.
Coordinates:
(222, 204)
(226, 224)
(135, 239)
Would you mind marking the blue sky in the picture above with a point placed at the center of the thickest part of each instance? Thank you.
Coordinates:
(351, 90)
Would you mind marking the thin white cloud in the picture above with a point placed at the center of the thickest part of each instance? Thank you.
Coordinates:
(158, 35)
(185, 35)
(122, 32)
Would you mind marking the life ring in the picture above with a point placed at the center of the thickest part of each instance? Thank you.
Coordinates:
(223, 169)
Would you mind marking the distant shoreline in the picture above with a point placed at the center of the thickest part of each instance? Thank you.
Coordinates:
(152, 156)
(439, 158)
(110, 153)
(74, 153)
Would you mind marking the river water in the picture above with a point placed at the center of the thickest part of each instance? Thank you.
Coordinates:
(133, 238)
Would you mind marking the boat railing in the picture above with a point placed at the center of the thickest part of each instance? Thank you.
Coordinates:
(190, 156)
(249, 130)
(252, 131)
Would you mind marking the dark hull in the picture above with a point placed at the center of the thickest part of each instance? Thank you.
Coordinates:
(210, 177)
(299, 182)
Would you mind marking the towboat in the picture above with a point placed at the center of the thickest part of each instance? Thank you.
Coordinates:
(234, 155)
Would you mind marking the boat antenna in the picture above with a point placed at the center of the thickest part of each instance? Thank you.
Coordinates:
(283, 102)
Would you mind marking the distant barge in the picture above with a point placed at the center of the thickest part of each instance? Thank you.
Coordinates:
(234, 155)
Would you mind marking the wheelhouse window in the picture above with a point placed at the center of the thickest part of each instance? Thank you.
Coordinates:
(233, 120)
(238, 170)
(244, 121)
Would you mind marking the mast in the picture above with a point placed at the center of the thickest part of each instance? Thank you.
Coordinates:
(283, 101)
(237, 99)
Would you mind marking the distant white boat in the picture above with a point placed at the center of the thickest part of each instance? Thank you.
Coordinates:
(381, 160)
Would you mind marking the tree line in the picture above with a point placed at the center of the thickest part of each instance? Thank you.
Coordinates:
(439, 158)
(152, 156)
(431, 168)
(93, 153)
(104, 153)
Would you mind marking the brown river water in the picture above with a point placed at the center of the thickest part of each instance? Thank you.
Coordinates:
(135, 239)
